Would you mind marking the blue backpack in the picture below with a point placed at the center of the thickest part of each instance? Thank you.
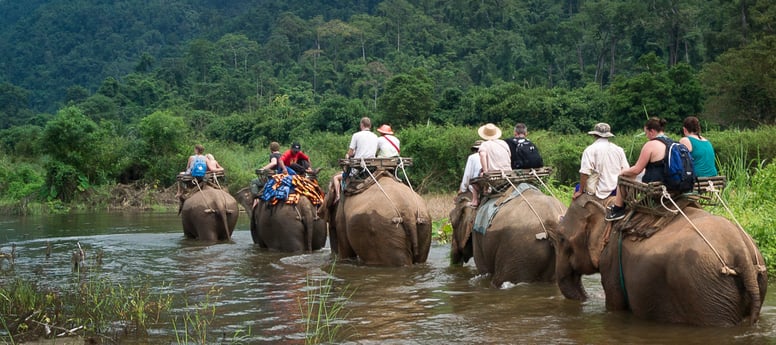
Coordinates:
(678, 165)
(199, 166)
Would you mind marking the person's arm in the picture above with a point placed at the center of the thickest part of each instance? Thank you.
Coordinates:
(582, 184)
(273, 162)
(641, 163)
(212, 165)
(350, 153)
(686, 142)
(467, 174)
(483, 160)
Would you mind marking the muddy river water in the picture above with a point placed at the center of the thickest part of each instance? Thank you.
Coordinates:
(262, 293)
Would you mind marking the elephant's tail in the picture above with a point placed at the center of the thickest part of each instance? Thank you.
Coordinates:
(223, 213)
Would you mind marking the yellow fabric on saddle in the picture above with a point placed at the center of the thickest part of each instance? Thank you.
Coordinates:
(302, 186)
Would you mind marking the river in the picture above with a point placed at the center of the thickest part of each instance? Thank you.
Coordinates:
(262, 292)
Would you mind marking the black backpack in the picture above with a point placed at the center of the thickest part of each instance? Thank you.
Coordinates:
(678, 165)
(525, 155)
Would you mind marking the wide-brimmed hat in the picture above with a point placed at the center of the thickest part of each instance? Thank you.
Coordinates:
(602, 130)
(489, 131)
(476, 144)
(385, 129)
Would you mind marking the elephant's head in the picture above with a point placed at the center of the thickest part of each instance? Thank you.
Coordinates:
(579, 241)
(245, 198)
(462, 221)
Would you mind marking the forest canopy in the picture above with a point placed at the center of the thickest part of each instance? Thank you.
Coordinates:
(150, 77)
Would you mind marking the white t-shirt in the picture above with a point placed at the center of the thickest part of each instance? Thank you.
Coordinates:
(499, 156)
(364, 144)
(471, 171)
(603, 161)
(385, 149)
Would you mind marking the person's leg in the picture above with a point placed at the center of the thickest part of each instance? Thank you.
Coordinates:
(617, 211)
(337, 182)
(475, 196)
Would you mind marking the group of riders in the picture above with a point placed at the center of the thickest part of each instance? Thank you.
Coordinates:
(602, 163)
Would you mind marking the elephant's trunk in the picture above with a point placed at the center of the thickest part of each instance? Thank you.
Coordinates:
(570, 286)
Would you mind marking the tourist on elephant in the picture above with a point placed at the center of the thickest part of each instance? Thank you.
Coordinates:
(297, 160)
(494, 155)
(387, 144)
(600, 165)
(214, 163)
(524, 154)
(700, 148)
(197, 165)
(650, 162)
(472, 168)
(275, 164)
(363, 144)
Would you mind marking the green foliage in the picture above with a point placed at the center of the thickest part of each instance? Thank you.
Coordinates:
(408, 98)
(19, 180)
(163, 150)
(741, 85)
(21, 141)
(672, 94)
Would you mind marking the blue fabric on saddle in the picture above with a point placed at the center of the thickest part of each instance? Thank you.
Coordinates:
(278, 191)
(490, 208)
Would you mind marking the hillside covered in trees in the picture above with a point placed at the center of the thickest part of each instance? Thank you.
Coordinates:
(93, 89)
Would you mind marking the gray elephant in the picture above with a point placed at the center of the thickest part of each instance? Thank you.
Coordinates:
(515, 247)
(284, 227)
(209, 213)
(700, 269)
(383, 222)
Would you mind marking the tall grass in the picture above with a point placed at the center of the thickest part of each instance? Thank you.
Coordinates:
(322, 309)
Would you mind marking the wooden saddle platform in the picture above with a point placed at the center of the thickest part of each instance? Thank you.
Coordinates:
(494, 184)
(650, 197)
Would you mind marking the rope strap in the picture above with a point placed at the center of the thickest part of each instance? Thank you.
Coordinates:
(726, 270)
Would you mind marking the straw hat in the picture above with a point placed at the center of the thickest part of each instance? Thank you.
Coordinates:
(602, 130)
(489, 131)
(385, 129)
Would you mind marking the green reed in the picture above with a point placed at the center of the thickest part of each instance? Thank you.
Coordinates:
(323, 308)
(87, 305)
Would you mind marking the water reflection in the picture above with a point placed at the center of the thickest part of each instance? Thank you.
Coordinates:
(265, 292)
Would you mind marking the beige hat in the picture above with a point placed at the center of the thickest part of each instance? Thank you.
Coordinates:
(489, 131)
(602, 130)
(476, 144)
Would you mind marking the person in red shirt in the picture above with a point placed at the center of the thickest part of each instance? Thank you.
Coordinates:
(297, 160)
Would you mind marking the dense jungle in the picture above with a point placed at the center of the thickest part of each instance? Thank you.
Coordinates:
(102, 101)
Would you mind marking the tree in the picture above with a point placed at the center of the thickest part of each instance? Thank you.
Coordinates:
(741, 85)
(408, 98)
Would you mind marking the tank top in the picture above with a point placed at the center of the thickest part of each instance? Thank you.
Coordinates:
(276, 155)
(703, 157)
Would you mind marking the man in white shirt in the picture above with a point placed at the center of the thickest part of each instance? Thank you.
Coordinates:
(472, 168)
(363, 144)
(601, 165)
(387, 144)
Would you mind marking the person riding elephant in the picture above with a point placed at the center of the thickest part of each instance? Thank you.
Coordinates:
(209, 213)
(379, 221)
(692, 268)
(283, 226)
(508, 240)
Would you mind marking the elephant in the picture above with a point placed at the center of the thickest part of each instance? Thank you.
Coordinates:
(384, 224)
(695, 268)
(209, 213)
(284, 227)
(515, 248)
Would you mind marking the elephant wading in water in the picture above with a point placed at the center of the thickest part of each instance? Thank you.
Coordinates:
(698, 269)
(283, 226)
(379, 221)
(515, 247)
(209, 213)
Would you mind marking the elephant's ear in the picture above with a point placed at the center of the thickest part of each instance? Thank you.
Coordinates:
(597, 229)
